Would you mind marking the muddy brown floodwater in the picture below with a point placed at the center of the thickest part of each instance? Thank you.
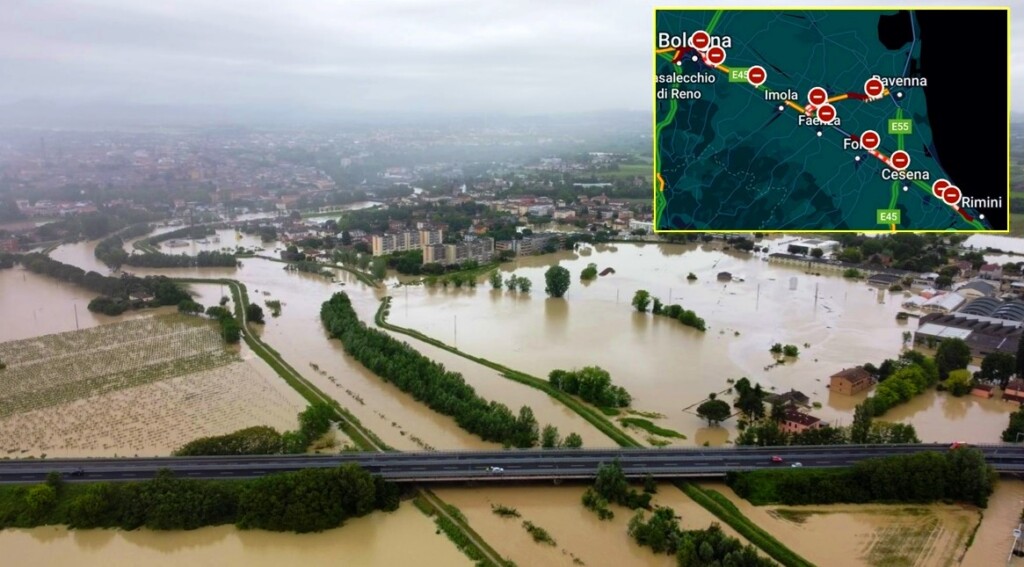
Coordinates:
(876, 535)
(578, 533)
(668, 368)
(403, 537)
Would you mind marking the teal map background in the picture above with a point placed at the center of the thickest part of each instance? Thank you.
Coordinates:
(732, 161)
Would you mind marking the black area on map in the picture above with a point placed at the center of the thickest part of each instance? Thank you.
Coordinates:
(894, 30)
(967, 110)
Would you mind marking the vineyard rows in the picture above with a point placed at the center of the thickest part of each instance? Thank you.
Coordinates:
(152, 419)
(60, 368)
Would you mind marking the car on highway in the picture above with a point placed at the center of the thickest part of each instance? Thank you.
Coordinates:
(775, 459)
(494, 469)
(794, 465)
(77, 472)
(957, 445)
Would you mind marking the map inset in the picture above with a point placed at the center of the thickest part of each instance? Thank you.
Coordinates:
(826, 120)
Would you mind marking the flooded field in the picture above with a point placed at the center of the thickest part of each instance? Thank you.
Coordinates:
(578, 533)
(34, 305)
(669, 368)
(994, 539)
(143, 386)
(876, 535)
(370, 540)
(80, 254)
(999, 242)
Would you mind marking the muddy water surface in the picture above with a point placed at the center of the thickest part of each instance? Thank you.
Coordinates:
(578, 532)
(363, 541)
(857, 535)
(669, 368)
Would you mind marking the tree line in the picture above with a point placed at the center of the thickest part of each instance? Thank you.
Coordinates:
(909, 375)
(309, 500)
(314, 422)
(959, 474)
(111, 250)
(642, 299)
(94, 225)
(230, 328)
(203, 259)
(592, 384)
(709, 547)
(115, 292)
(441, 390)
(187, 232)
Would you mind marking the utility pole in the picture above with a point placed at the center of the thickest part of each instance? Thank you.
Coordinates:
(455, 329)
(76, 316)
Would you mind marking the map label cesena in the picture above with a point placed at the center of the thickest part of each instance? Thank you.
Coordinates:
(829, 120)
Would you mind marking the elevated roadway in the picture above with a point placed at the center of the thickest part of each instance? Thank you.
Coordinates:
(494, 466)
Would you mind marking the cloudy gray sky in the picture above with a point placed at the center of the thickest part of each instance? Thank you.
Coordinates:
(522, 56)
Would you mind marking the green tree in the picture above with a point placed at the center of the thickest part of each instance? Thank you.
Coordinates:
(190, 307)
(549, 437)
(572, 441)
(254, 313)
(817, 252)
(656, 308)
(852, 255)
(952, 354)
(861, 428)
(959, 382)
(888, 433)
(40, 500)
(556, 279)
(714, 411)
(1012, 433)
(589, 273)
(998, 367)
(512, 282)
(641, 299)
(790, 351)
(524, 284)
(495, 279)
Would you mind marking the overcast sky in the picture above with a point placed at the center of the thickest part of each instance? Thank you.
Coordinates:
(522, 56)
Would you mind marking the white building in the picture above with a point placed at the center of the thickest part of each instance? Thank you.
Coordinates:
(945, 303)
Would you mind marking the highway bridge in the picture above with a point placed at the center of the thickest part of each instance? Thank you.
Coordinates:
(494, 466)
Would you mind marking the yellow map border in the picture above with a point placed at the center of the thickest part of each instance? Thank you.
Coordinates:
(656, 176)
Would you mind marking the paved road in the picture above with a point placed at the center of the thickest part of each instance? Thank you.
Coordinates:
(436, 467)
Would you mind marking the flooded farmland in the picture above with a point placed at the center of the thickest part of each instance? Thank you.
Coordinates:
(876, 535)
(578, 533)
(141, 386)
(361, 541)
(668, 368)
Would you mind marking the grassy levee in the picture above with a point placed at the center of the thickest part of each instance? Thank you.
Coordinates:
(727, 513)
(591, 414)
(468, 540)
(452, 522)
(348, 422)
(725, 510)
